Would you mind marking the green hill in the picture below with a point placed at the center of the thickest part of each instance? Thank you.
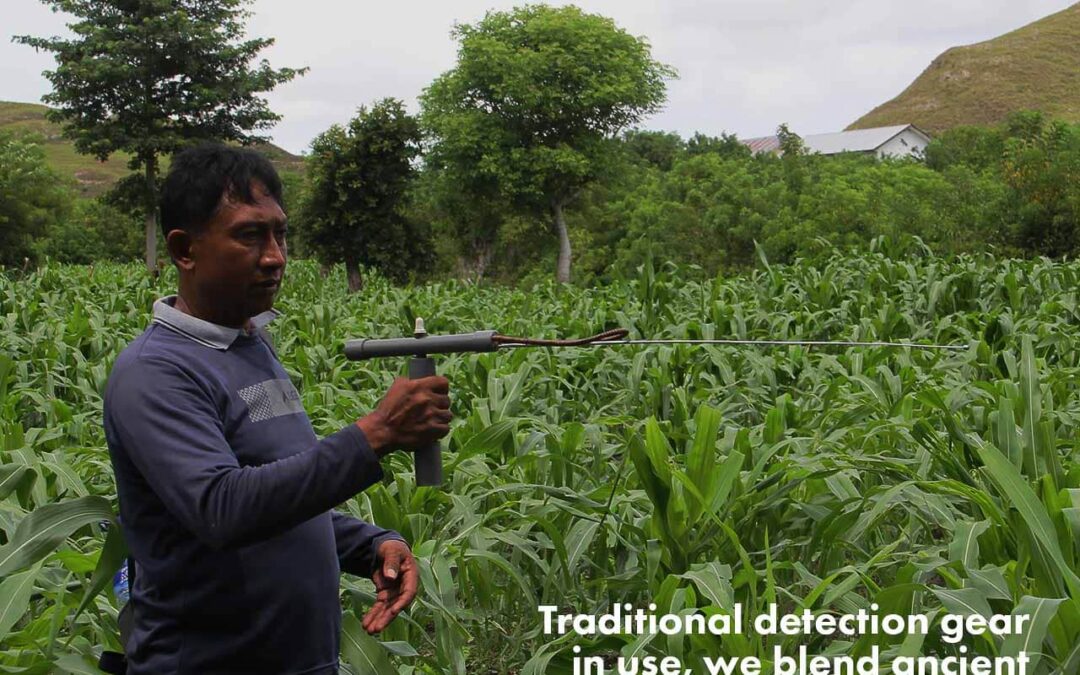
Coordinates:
(1036, 67)
(91, 176)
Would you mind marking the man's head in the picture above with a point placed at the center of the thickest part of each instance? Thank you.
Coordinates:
(224, 226)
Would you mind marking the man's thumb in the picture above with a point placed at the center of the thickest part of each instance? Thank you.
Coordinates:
(391, 565)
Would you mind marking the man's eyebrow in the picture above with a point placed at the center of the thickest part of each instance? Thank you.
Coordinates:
(273, 222)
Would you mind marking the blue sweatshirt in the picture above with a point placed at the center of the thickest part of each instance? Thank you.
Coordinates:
(225, 501)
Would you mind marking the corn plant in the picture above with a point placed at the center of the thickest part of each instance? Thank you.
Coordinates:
(694, 478)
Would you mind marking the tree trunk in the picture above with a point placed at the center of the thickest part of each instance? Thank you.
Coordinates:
(352, 270)
(562, 275)
(475, 265)
(483, 257)
(150, 203)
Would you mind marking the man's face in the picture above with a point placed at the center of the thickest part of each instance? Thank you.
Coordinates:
(238, 260)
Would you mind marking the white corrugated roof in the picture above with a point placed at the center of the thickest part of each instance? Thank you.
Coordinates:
(859, 140)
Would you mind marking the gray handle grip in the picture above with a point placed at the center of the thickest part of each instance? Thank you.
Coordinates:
(429, 459)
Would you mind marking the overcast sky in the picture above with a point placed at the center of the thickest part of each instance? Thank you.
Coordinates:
(744, 66)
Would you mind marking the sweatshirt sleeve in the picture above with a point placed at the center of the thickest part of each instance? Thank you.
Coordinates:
(171, 429)
(358, 543)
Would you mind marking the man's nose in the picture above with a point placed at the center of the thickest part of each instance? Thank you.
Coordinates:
(273, 253)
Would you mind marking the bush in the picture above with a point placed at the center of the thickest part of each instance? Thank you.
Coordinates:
(32, 197)
(94, 231)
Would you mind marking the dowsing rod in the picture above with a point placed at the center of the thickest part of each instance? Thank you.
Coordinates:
(421, 345)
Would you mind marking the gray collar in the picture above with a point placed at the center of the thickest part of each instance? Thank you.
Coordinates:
(204, 332)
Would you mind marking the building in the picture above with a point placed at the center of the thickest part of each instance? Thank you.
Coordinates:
(904, 140)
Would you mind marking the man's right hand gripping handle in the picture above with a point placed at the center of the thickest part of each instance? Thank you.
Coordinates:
(413, 416)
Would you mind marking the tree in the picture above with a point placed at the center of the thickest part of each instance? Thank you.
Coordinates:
(979, 148)
(32, 198)
(148, 77)
(1041, 167)
(95, 230)
(466, 222)
(791, 143)
(654, 148)
(535, 102)
(726, 145)
(358, 179)
(792, 151)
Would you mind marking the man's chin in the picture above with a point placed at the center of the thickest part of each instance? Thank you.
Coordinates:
(262, 299)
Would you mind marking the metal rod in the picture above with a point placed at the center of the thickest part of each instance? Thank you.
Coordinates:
(774, 343)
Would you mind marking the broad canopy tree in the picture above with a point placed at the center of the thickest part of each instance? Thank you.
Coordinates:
(536, 98)
(358, 182)
(148, 77)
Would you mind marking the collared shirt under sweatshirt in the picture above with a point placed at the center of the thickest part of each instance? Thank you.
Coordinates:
(225, 501)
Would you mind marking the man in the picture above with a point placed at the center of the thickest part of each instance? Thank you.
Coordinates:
(225, 492)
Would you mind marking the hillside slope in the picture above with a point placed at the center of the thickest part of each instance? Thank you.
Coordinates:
(1034, 67)
(91, 176)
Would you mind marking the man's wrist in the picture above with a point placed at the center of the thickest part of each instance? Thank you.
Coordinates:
(378, 541)
(377, 433)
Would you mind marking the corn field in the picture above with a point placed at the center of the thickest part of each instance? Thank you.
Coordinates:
(927, 482)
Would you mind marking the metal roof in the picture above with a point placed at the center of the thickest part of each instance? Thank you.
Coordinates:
(859, 140)
(763, 144)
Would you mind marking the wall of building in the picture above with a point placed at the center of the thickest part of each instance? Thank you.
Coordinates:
(907, 142)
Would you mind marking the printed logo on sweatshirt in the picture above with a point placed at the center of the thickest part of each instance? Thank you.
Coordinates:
(271, 398)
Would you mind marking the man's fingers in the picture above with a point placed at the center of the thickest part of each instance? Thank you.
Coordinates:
(378, 617)
(436, 383)
(375, 619)
(441, 401)
(410, 583)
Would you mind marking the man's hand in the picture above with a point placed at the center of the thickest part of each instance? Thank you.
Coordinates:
(396, 583)
(411, 415)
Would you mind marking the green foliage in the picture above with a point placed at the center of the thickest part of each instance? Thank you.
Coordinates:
(294, 198)
(977, 148)
(692, 477)
(32, 198)
(469, 223)
(539, 146)
(1037, 164)
(725, 144)
(1042, 169)
(147, 77)
(94, 231)
(659, 149)
(791, 144)
(800, 205)
(354, 207)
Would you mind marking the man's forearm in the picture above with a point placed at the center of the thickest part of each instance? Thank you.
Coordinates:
(249, 504)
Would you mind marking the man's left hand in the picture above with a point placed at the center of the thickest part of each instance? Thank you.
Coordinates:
(396, 583)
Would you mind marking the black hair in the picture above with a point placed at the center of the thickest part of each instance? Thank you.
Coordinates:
(201, 175)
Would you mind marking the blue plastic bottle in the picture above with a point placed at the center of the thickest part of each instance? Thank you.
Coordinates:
(120, 586)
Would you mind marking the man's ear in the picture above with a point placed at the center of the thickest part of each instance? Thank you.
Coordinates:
(180, 245)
